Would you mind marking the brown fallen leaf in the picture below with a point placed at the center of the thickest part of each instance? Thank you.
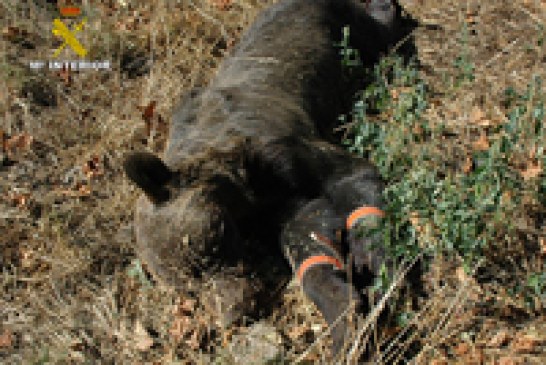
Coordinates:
(471, 17)
(3, 138)
(231, 43)
(66, 75)
(510, 360)
(468, 165)
(417, 222)
(532, 170)
(476, 114)
(162, 125)
(462, 349)
(542, 243)
(482, 144)
(507, 197)
(391, 331)
(156, 128)
(83, 189)
(6, 339)
(92, 167)
(500, 339)
(474, 288)
(478, 117)
(227, 336)
(414, 218)
(24, 141)
(222, 4)
(194, 342)
(526, 344)
(463, 276)
(16, 143)
(14, 34)
(80, 190)
(475, 357)
(10, 33)
(148, 111)
(17, 199)
(180, 327)
(152, 120)
(26, 258)
(128, 24)
(417, 130)
(298, 331)
(396, 92)
(143, 340)
(188, 306)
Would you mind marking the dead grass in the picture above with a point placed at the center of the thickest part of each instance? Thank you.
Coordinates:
(71, 292)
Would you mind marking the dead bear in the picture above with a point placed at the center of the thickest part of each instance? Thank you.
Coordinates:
(259, 138)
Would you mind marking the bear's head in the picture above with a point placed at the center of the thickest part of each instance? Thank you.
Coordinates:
(181, 223)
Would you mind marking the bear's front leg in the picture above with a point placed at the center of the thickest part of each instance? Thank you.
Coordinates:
(308, 241)
(356, 194)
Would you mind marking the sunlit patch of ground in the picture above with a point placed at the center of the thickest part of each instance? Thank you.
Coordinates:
(72, 288)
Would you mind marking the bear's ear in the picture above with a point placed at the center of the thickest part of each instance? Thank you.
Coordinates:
(383, 11)
(150, 174)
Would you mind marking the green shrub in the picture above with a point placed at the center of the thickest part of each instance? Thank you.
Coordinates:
(430, 205)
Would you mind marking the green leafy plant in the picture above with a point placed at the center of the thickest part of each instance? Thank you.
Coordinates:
(349, 56)
(430, 206)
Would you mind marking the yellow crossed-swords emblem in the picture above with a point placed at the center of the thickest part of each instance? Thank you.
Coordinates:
(59, 29)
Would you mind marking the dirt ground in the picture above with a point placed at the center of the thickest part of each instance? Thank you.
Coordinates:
(72, 288)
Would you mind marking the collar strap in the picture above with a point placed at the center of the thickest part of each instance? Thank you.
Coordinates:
(323, 240)
(317, 260)
(361, 213)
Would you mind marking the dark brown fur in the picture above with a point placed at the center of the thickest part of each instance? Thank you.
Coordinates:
(257, 138)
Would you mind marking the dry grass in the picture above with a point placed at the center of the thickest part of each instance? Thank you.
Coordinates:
(72, 291)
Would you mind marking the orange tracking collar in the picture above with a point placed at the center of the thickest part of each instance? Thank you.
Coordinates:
(315, 260)
(326, 259)
(318, 259)
(362, 212)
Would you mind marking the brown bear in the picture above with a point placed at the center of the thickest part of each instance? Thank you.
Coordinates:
(255, 146)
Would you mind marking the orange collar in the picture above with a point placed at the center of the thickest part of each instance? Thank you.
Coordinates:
(316, 260)
(362, 212)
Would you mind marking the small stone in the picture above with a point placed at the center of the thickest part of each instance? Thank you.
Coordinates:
(231, 298)
(261, 345)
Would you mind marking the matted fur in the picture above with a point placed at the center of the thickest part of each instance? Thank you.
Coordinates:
(242, 150)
